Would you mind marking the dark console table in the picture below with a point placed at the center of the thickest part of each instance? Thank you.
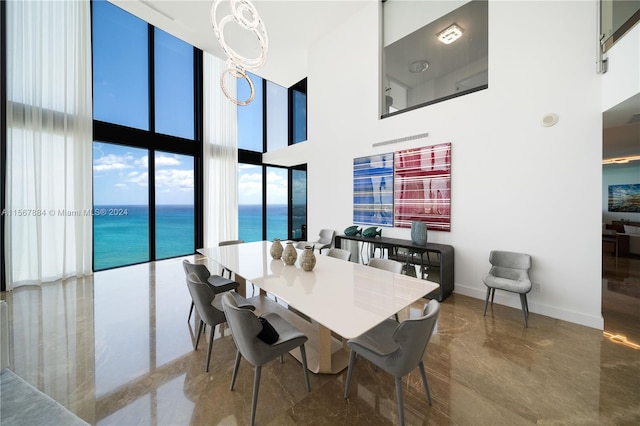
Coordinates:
(445, 257)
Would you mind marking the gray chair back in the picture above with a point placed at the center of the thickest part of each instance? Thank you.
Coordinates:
(230, 242)
(339, 253)
(245, 327)
(386, 264)
(412, 337)
(510, 265)
(203, 297)
(326, 236)
(199, 269)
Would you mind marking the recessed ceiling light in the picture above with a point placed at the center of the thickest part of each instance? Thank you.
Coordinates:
(450, 34)
(418, 66)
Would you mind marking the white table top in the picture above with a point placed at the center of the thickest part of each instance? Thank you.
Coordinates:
(346, 297)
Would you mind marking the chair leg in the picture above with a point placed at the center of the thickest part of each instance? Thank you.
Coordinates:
(235, 370)
(303, 352)
(493, 293)
(200, 326)
(425, 382)
(486, 301)
(256, 387)
(525, 310)
(212, 332)
(396, 317)
(400, 402)
(190, 311)
(352, 360)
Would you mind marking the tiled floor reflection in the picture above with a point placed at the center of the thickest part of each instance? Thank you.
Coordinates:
(116, 349)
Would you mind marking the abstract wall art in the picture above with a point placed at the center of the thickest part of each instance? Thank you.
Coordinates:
(624, 198)
(422, 185)
(373, 190)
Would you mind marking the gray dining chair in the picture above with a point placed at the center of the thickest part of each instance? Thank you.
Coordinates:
(228, 243)
(339, 253)
(509, 272)
(324, 241)
(387, 265)
(397, 348)
(220, 284)
(245, 327)
(209, 306)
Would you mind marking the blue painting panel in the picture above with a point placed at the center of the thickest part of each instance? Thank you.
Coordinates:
(373, 190)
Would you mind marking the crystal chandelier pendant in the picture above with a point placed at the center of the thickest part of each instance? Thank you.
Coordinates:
(244, 13)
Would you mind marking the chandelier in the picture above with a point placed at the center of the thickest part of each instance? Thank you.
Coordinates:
(244, 13)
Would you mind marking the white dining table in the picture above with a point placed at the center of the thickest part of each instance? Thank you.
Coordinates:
(339, 299)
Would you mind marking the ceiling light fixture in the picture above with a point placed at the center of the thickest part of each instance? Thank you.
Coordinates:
(621, 160)
(450, 34)
(244, 13)
(418, 66)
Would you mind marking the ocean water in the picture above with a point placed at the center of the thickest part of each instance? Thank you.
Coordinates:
(121, 233)
(250, 222)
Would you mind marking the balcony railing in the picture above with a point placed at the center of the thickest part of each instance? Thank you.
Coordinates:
(617, 17)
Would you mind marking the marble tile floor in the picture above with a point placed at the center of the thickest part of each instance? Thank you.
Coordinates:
(116, 349)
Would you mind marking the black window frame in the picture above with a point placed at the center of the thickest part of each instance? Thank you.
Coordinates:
(255, 158)
(152, 141)
(301, 87)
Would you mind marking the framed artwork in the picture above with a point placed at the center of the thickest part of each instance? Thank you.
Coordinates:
(422, 183)
(624, 198)
(373, 190)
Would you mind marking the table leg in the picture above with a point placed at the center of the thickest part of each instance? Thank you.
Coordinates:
(242, 288)
(324, 348)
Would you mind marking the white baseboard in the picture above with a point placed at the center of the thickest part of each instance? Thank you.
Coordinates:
(512, 300)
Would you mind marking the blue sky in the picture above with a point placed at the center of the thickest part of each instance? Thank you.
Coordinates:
(121, 176)
(250, 185)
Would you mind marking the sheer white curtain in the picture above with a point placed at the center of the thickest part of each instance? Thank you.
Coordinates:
(49, 141)
(220, 156)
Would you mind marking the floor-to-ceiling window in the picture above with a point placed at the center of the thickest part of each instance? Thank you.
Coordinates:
(250, 190)
(299, 204)
(277, 117)
(298, 118)
(272, 199)
(146, 141)
(277, 203)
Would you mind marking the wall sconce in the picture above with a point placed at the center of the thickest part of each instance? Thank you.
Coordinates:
(450, 34)
(244, 13)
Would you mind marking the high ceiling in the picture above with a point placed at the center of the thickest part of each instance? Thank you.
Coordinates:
(294, 25)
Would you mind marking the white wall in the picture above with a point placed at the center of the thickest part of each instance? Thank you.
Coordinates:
(515, 184)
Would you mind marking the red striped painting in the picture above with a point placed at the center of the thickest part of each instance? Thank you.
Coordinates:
(422, 187)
